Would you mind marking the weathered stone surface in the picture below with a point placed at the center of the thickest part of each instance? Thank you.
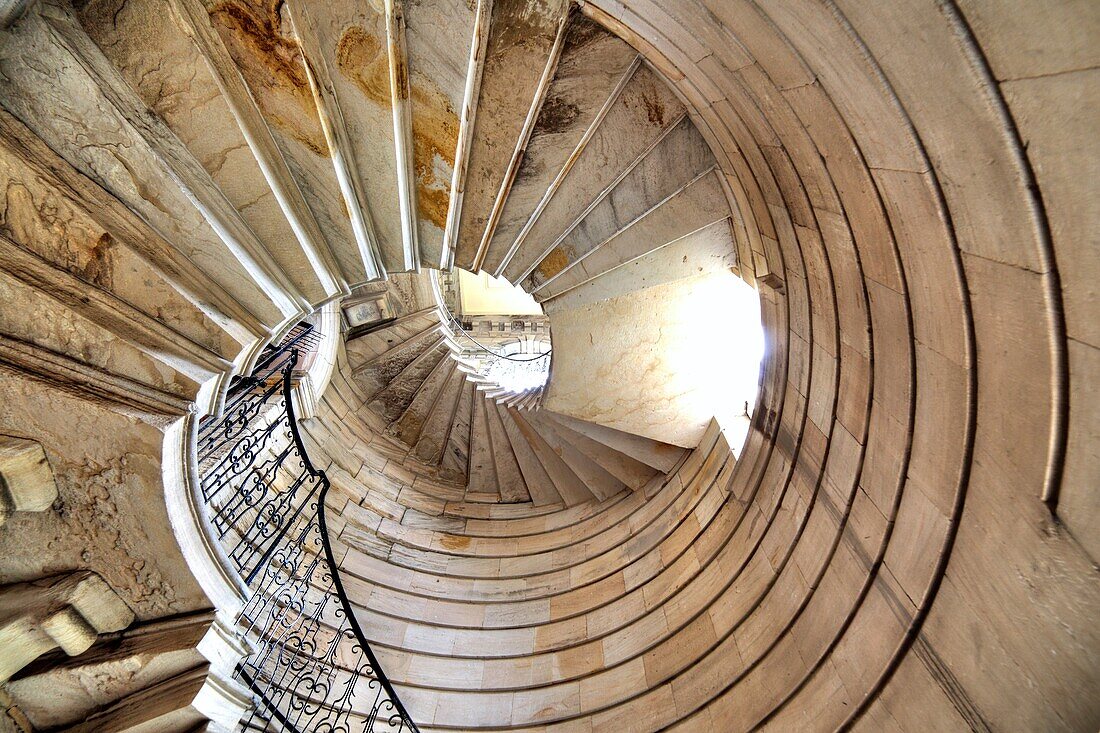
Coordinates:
(644, 110)
(592, 67)
(108, 474)
(522, 47)
(411, 423)
(119, 665)
(438, 37)
(126, 150)
(255, 56)
(374, 375)
(443, 417)
(156, 57)
(510, 480)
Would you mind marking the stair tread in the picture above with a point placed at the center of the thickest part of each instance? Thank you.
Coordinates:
(601, 483)
(624, 135)
(393, 399)
(539, 485)
(630, 471)
(679, 157)
(376, 374)
(438, 36)
(698, 204)
(482, 475)
(589, 72)
(568, 485)
(359, 118)
(437, 427)
(510, 481)
(409, 426)
(456, 456)
(661, 456)
(510, 83)
(314, 274)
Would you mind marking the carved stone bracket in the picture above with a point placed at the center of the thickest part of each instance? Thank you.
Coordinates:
(68, 611)
(26, 480)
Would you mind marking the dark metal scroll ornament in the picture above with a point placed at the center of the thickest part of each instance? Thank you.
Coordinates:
(312, 670)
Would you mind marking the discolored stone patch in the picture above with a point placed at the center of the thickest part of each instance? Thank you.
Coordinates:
(52, 227)
(435, 139)
(655, 110)
(454, 542)
(552, 264)
(272, 64)
(557, 115)
(362, 57)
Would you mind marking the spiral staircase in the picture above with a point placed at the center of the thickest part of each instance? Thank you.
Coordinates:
(199, 194)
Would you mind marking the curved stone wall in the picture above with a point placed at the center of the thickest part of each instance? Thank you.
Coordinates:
(891, 559)
(905, 183)
(907, 541)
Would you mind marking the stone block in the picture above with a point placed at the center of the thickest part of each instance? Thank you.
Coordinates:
(67, 611)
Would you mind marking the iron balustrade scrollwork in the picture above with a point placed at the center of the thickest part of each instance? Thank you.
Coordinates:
(312, 670)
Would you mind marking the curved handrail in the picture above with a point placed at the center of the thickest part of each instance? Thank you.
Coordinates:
(492, 384)
(330, 559)
(457, 324)
(279, 534)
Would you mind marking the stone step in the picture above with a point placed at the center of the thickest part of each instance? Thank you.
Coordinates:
(344, 47)
(660, 456)
(437, 429)
(568, 485)
(391, 401)
(374, 375)
(510, 481)
(539, 485)
(483, 475)
(439, 39)
(641, 114)
(295, 157)
(456, 457)
(593, 67)
(708, 250)
(193, 69)
(410, 425)
(513, 81)
(700, 203)
(630, 471)
(679, 157)
(597, 480)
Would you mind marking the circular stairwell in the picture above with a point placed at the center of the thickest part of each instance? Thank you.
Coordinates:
(906, 539)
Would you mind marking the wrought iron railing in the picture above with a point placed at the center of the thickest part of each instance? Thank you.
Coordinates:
(499, 369)
(457, 327)
(312, 668)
